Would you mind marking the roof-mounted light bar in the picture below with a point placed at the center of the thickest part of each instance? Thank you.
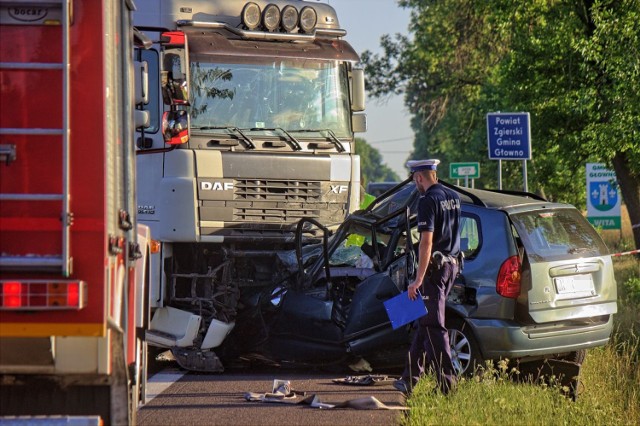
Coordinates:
(20, 295)
(272, 19)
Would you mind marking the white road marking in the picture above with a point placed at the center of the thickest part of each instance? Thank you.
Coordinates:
(159, 382)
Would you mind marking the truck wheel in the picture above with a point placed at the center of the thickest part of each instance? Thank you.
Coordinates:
(465, 352)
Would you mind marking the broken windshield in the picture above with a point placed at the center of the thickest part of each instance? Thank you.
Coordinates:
(286, 93)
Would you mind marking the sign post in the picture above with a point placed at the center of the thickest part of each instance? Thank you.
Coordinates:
(603, 200)
(464, 170)
(509, 138)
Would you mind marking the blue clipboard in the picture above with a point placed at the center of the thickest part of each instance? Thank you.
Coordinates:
(402, 310)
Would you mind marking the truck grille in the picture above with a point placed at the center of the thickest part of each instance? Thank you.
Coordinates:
(277, 190)
(283, 201)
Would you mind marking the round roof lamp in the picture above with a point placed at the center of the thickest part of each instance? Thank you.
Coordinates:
(289, 18)
(271, 17)
(308, 19)
(251, 15)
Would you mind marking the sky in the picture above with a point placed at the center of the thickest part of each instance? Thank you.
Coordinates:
(388, 120)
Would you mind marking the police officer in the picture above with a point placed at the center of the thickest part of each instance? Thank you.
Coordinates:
(438, 264)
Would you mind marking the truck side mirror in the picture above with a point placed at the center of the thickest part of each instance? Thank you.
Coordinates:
(357, 89)
(175, 90)
(175, 79)
(175, 127)
(359, 123)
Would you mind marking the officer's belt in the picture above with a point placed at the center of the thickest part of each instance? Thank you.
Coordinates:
(439, 257)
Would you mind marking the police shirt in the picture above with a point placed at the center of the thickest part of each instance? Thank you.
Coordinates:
(439, 212)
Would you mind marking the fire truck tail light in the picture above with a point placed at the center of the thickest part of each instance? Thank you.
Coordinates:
(42, 295)
(12, 294)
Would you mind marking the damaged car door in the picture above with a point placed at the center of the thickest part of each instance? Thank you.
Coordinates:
(335, 312)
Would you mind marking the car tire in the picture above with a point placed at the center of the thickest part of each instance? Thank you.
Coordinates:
(576, 357)
(465, 352)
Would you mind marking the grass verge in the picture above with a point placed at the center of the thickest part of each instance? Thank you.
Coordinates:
(609, 392)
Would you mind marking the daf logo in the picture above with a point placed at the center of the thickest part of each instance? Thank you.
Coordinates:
(216, 186)
(339, 189)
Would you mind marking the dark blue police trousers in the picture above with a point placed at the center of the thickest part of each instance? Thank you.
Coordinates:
(430, 345)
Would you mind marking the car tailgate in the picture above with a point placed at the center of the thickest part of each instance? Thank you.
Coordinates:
(565, 290)
(567, 271)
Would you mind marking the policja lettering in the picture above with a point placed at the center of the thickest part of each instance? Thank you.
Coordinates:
(450, 204)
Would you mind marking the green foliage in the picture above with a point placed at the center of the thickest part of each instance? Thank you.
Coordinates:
(574, 65)
(632, 290)
(371, 166)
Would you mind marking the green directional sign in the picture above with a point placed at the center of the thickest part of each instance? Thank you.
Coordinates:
(464, 170)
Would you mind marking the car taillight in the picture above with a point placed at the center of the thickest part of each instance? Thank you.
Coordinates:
(509, 277)
(42, 295)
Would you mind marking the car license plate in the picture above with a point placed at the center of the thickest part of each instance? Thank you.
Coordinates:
(575, 286)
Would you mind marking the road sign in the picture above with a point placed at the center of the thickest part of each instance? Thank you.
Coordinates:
(509, 135)
(603, 200)
(464, 170)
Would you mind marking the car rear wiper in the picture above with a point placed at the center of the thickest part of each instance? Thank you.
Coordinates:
(332, 136)
(233, 130)
(293, 141)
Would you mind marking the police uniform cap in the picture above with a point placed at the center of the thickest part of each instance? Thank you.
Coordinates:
(419, 165)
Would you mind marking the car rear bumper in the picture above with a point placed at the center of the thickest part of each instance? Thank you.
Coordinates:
(507, 339)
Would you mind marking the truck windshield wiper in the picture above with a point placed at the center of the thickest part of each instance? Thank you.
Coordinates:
(332, 136)
(293, 141)
(233, 130)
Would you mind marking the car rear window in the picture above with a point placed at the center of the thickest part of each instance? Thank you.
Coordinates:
(557, 235)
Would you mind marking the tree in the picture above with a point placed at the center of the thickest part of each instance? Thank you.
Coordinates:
(371, 166)
(573, 64)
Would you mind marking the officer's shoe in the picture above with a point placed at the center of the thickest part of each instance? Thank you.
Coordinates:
(402, 386)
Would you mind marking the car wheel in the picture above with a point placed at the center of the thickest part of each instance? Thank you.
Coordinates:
(465, 352)
(576, 357)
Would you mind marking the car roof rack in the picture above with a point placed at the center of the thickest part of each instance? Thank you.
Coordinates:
(474, 198)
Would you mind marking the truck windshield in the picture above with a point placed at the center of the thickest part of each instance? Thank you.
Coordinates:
(254, 93)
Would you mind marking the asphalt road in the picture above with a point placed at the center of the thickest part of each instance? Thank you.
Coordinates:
(219, 399)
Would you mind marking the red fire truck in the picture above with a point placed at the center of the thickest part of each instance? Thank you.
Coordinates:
(72, 256)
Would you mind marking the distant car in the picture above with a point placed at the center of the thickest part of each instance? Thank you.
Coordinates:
(378, 188)
(537, 283)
